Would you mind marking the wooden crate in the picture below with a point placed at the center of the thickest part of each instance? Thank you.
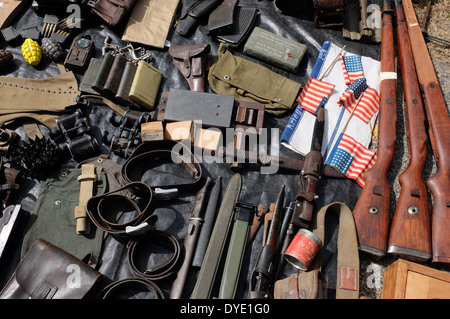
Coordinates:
(407, 280)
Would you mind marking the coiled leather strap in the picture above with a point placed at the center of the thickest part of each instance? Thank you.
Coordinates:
(165, 269)
(105, 210)
(114, 288)
(146, 155)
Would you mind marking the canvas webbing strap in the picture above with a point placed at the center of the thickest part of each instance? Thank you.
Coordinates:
(347, 284)
(87, 178)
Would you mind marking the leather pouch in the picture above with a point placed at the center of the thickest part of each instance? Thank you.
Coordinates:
(145, 86)
(47, 272)
(110, 11)
(303, 285)
(251, 82)
(190, 59)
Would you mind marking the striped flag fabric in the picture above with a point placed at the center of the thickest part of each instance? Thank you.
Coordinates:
(367, 106)
(351, 158)
(315, 93)
(352, 93)
(351, 68)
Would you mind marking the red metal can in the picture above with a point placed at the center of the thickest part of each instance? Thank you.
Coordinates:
(302, 249)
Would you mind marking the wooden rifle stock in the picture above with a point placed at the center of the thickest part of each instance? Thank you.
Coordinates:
(439, 132)
(410, 235)
(371, 211)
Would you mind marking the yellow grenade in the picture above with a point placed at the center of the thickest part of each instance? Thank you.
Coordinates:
(31, 51)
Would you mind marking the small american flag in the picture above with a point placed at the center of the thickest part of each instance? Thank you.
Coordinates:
(351, 158)
(314, 94)
(352, 93)
(368, 105)
(351, 68)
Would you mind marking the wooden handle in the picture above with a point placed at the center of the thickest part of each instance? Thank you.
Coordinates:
(410, 235)
(439, 132)
(371, 212)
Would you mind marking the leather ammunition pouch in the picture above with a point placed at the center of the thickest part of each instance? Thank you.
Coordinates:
(251, 82)
(191, 61)
(111, 11)
(45, 273)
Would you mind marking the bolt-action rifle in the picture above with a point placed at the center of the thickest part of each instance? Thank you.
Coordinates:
(439, 132)
(410, 235)
(371, 211)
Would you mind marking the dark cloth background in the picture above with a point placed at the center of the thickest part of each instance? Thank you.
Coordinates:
(256, 188)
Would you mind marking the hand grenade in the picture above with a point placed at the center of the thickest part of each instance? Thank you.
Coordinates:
(5, 58)
(31, 51)
(52, 49)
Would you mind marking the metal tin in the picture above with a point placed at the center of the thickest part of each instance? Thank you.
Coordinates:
(302, 249)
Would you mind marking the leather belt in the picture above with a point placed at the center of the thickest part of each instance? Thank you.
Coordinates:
(104, 210)
(146, 154)
(165, 269)
(112, 289)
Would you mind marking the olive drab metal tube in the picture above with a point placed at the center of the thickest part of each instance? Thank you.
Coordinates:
(410, 235)
(371, 211)
(439, 132)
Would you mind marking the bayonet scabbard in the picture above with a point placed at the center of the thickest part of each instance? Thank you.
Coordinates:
(190, 240)
(238, 241)
(208, 223)
(207, 274)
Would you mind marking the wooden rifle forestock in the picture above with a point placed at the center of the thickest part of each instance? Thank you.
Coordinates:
(439, 132)
(410, 235)
(371, 211)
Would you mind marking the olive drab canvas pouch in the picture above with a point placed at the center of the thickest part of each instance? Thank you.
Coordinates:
(252, 82)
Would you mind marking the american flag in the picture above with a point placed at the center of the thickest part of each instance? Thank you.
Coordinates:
(367, 106)
(351, 158)
(314, 94)
(352, 93)
(351, 68)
